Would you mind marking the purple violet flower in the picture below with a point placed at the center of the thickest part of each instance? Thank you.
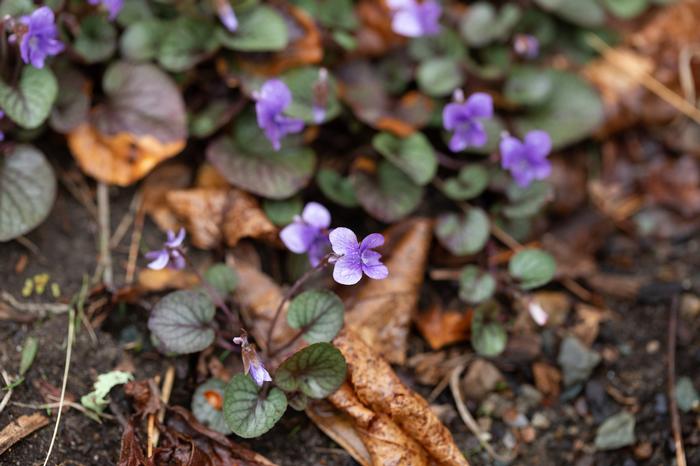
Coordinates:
(112, 6)
(413, 19)
(355, 258)
(526, 45)
(171, 255)
(252, 364)
(38, 37)
(527, 161)
(274, 97)
(464, 119)
(227, 15)
(308, 233)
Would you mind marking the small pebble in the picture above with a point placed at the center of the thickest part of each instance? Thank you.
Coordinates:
(540, 421)
(653, 346)
(528, 434)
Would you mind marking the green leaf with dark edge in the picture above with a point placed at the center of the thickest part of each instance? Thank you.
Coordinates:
(463, 233)
(143, 100)
(29, 350)
(586, 13)
(186, 42)
(528, 86)
(476, 285)
(388, 195)
(532, 268)
(413, 155)
(248, 161)
(30, 103)
(182, 321)
(319, 312)
(331, 14)
(297, 400)
(626, 9)
(301, 82)
(207, 405)
(471, 181)
(73, 104)
(336, 187)
(262, 29)
(316, 371)
(488, 338)
(282, 212)
(97, 39)
(438, 77)
(527, 202)
(141, 41)
(222, 278)
(555, 116)
(248, 412)
(211, 118)
(27, 191)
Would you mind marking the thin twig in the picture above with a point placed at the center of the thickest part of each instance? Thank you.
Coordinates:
(69, 347)
(613, 57)
(134, 246)
(165, 392)
(675, 418)
(151, 421)
(467, 418)
(41, 309)
(33, 248)
(126, 221)
(105, 262)
(8, 395)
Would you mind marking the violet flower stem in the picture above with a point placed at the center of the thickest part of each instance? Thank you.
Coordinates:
(288, 295)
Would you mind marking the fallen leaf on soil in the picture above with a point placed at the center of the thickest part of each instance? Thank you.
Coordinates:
(441, 328)
(131, 453)
(547, 379)
(156, 186)
(380, 311)
(588, 323)
(20, 428)
(165, 279)
(213, 215)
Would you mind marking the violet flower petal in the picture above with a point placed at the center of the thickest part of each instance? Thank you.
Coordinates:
(371, 241)
(316, 215)
(159, 259)
(298, 237)
(347, 270)
(344, 241)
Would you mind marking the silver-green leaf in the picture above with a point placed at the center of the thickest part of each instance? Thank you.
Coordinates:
(316, 371)
(181, 322)
(29, 103)
(319, 312)
(249, 412)
(532, 268)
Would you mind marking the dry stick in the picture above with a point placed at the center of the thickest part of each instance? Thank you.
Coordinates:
(105, 263)
(126, 221)
(612, 56)
(151, 424)
(675, 418)
(134, 246)
(40, 309)
(21, 428)
(69, 347)
(165, 392)
(6, 398)
(469, 420)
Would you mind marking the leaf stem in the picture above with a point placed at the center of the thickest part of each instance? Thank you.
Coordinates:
(287, 296)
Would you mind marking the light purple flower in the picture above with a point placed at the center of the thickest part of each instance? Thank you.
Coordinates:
(464, 119)
(226, 15)
(112, 6)
(274, 97)
(171, 255)
(526, 45)
(252, 364)
(413, 19)
(527, 161)
(356, 258)
(39, 39)
(308, 233)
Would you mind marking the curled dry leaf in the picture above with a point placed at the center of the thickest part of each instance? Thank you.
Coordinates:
(380, 311)
(304, 47)
(154, 189)
(165, 279)
(441, 328)
(211, 215)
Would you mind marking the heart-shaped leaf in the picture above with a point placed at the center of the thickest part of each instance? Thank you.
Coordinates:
(586, 13)
(555, 114)
(262, 29)
(73, 103)
(527, 202)
(438, 77)
(141, 41)
(208, 405)
(475, 285)
(282, 212)
(335, 14)
(97, 39)
(319, 312)
(528, 86)
(27, 191)
(626, 9)
(488, 338)
(336, 188)
(316, 371)
(249, 412)
(222, 278)
(186, 42)
(532, 268)
(29, 104)
(182, 322)
(301, 82)
(248, 161)
(413, 155)
(389, 194)
(470, 183)
(463, 234)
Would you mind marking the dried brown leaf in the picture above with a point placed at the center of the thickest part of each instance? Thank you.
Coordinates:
(165, 178)
(165, 279)
(547, 379)
(441, 328)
